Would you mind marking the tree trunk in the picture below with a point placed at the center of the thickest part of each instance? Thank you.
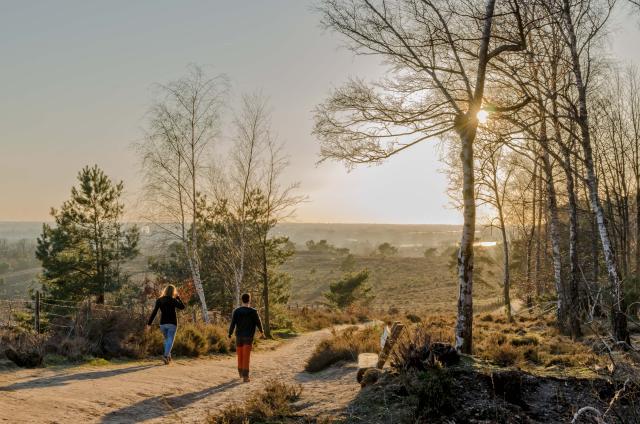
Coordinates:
(618, 317)
(466, 127)
(538, 268)
(464, 324)
(265, 291)
(533, 225)
(637, 225)
(197, 282)
(573, 295)
(506, 281)
(554, 230)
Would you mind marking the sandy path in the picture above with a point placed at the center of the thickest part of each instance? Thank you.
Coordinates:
(183, 392)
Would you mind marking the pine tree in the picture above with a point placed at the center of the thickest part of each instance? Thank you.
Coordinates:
(82, 254)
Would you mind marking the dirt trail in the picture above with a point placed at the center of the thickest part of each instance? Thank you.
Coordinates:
(185, 392)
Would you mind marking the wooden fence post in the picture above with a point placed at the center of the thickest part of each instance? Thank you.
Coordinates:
(37, 313)
(388, 343)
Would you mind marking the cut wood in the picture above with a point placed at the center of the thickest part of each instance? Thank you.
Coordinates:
(387, 341)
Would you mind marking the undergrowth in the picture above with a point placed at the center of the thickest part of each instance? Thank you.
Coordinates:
(343, 345)
(271, 405)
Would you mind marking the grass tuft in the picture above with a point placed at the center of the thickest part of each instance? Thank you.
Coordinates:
(343, 346)
(273, 404)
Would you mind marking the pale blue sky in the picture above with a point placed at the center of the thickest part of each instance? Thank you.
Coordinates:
(77, 79)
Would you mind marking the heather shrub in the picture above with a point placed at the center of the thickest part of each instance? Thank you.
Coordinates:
(344, 346)
(190, 341)
(272, 404)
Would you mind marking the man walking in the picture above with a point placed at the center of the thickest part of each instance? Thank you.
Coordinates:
(244, 321)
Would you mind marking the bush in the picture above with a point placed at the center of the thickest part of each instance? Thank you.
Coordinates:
(504, 355)
(349, 290)
(109, 334)
(532, 356)
(218, 340)
(344, 346)
(524, 341)
(23, 348)
(316, 319)
(435, 392)
(190, 341)
(416, 351)
(271, 405)
(199, 339)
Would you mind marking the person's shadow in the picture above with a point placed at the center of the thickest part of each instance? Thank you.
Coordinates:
(160, 406)
(61, 380)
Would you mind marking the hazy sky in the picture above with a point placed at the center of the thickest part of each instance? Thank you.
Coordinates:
(77, 80)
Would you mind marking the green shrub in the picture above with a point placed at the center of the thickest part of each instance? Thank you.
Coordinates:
(349, 290)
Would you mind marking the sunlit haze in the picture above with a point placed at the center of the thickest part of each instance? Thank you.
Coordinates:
(78, 79)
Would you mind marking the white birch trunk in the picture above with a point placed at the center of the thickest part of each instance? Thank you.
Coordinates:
(197, 281)
(618, 316)
(466, 126)
(554, 234)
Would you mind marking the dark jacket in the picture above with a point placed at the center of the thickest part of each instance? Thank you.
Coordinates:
(245, 320)
(167, 306)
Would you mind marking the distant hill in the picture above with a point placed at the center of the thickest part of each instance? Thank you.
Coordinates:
(13, 231)
(407, 279)
(426, 283)
(410, 239)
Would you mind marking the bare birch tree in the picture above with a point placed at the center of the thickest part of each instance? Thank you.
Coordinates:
(438, 52)
(251, 138)
(279, 202)
(182, 126)
(494, 176)
(581, 23)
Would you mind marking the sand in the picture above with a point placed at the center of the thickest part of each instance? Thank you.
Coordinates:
(183, 392)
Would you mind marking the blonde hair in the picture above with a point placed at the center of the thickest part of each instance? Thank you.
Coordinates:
(170, 291)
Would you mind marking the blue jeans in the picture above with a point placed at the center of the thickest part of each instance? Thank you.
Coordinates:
(169, 333)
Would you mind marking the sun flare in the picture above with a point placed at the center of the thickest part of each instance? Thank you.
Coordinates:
(482, 116)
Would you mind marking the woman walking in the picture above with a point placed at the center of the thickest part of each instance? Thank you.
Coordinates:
(167, 303)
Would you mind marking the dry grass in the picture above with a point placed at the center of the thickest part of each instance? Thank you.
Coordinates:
(308, 319)
(404, 282)
(198, 339)
(122, 335)
(273, 404)
(529, 343)
(343, 346)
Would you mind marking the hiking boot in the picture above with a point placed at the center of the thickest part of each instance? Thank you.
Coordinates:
(166, 360)
(246, 379)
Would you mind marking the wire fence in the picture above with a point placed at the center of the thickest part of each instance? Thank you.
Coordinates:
(44, 313)
(13, 312)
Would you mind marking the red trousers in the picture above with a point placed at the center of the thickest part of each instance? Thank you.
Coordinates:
(243, 351)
